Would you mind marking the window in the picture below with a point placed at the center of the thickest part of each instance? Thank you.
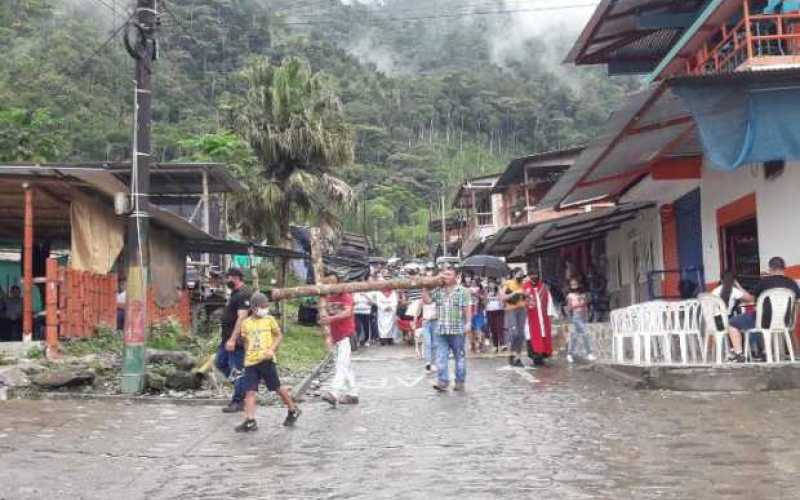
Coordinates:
(773, 169)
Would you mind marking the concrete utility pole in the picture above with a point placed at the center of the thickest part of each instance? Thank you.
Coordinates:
(143, 49)
(444, 228)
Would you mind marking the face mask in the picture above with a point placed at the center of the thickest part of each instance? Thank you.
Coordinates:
(262, 312)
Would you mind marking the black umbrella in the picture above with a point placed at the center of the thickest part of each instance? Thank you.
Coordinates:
(486, 265)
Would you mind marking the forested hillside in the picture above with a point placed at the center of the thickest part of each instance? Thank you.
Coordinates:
(435, 91)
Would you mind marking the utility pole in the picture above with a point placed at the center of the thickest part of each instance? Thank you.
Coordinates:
(444, 228)
(143, 50)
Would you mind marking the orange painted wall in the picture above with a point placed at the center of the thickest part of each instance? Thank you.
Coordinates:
(669, 245)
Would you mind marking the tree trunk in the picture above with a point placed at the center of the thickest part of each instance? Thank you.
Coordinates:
(355, 287)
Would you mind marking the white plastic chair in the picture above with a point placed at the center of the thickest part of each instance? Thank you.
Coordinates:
(617, 335)
(715, 320)
(685, 320)
(781, 304)
(622, 328)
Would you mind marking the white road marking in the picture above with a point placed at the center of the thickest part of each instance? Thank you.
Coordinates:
(410, 382)
(522, 372)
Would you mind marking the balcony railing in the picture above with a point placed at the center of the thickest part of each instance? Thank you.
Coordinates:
(756, 40)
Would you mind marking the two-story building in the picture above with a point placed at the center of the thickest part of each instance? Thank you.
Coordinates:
(703, 160)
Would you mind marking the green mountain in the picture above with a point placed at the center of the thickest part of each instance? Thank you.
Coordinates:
(437, 91)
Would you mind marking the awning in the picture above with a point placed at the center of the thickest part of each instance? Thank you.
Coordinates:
(506, 240)
(573, 229)
(650, 126)
(745, 117)
(632, 36)
(548, 166)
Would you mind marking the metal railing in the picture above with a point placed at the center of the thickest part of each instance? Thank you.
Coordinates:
(754, 36)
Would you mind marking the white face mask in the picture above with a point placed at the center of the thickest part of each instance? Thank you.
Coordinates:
(262, 312)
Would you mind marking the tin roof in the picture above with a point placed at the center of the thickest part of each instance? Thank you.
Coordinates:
(632, 36)
(651, 124)
(549, 164)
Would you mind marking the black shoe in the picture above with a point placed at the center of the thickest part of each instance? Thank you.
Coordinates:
(736, 358)
(517, 363)
(233, 408)
(248, 425)
(292, 417)
(439, 387)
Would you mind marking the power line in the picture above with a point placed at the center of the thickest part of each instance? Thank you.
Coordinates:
(96, 52)
(466, 14)
(108, 6)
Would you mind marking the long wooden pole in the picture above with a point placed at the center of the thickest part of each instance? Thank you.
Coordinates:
(319, 271)
(355, 287)
(27, 267)
(51, 306)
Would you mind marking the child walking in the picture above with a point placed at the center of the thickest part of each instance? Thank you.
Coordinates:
(578, 309)
(262, 337)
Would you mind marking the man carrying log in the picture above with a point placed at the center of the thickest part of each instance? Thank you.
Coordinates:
(340, 324)
(454, 315)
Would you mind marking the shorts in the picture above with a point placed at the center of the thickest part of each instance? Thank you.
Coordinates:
(744, 322)
(266, 371)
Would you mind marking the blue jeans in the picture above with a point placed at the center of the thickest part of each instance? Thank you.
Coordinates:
(232, 365)
(445, 344)
(579, 335)
(429, 334)
(363, 327)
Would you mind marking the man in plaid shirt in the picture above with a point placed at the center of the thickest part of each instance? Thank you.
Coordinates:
(455, 320)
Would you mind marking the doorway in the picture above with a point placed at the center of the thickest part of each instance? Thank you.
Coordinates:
(740, 251)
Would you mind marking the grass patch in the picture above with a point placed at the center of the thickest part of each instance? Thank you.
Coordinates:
(302, 348)
(35, 352)
(105, 340)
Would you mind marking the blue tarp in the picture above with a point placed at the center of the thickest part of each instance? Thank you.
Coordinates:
(741, 123)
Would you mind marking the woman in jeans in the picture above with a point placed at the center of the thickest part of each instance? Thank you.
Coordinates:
(578, 309)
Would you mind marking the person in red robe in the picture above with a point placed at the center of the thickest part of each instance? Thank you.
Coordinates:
(541, 311)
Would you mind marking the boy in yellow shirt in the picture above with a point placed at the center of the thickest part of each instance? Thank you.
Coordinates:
(262, 336)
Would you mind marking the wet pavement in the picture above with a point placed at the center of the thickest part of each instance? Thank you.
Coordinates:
(558, 432)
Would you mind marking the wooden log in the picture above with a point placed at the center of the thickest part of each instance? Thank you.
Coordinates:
(319, 270)
(355, 287)
(51, 305)
(27, 267)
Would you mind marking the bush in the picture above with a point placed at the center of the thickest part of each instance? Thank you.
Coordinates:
(35, 352)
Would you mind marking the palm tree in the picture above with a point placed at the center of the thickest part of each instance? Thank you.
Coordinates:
(294, 123)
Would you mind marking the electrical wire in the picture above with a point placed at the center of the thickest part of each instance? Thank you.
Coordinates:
(96, 52)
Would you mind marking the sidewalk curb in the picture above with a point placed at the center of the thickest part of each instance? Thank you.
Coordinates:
(621, 377)
(121, 398)
(303, 387)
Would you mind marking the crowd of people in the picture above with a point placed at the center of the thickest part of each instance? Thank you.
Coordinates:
(468, 313)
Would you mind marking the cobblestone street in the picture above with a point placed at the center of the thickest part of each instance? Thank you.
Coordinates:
(558, 432)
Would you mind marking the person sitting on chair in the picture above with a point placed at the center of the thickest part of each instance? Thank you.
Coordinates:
(776, 278)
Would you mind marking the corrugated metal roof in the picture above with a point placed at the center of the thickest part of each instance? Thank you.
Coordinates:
(651, 124)
(566, 231)
(618, 120)
(614, 33)
(547, 163)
